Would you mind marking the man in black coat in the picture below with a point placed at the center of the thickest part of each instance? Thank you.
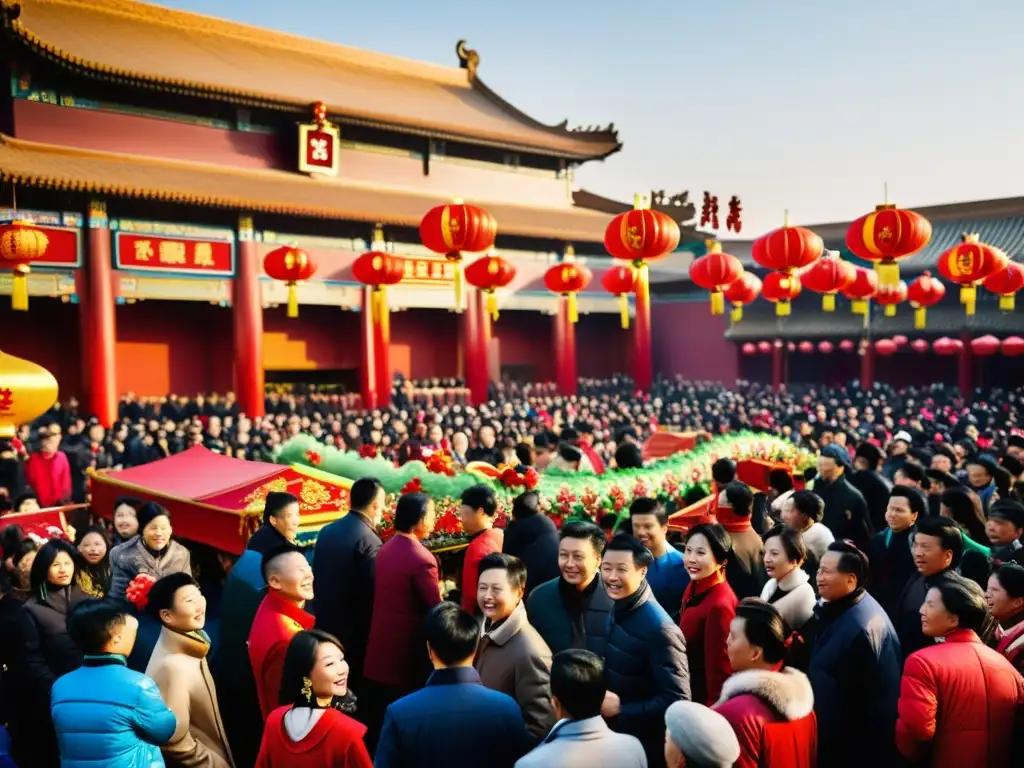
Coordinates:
(343, 571)
(846, 512)
(645, 659)
(533, 538)
(871, 483)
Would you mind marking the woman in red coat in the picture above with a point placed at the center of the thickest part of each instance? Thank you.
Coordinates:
(708, 607)
(958, 698)
(770, 707)
(309, 730)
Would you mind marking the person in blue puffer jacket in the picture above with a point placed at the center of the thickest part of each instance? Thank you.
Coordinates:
(103, 712)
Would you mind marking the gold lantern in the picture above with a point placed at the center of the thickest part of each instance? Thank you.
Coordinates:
(27, 391)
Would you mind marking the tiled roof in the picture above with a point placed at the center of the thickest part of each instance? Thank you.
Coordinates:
(146, 45)
(268, 191)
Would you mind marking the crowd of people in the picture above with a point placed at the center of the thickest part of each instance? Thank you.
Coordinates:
(874, 615)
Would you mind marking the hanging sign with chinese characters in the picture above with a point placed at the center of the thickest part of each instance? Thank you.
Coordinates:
(319, 144)
(426, 271)
(174, 254)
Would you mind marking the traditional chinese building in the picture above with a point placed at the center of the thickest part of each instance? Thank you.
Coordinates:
(164, 154)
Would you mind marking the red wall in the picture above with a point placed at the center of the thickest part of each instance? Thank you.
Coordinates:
(603, 348)
(526, 342)
(689, 341)
(324, 338)
(47, 335)
(429, 339)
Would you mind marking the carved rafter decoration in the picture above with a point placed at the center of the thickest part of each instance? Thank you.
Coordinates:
(677, 206)
(469, 59)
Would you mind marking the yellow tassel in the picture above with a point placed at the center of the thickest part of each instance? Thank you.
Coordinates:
(859, 306)
(888, 273)
(457, 282)
(293, 301)
(384, 318)
(717, 303)
(737, 313)
(624, 311)
(890, 310)
(492, 304)
(828, 302)
(19, 292)
(783, 309)
(1007, 302)
(969, 307)
(574, 312)
(920, 317)
(968, 294)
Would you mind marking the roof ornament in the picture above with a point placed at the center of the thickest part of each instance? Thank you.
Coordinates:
(469, 59)
(11, 11)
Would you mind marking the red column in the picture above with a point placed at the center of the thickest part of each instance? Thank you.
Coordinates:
(643, 366)
(96, 315)
(247, 313)
(565, 349)
(381, 350)
(777, 363)
(367, 352)
(965, 368)
(867, 365)
(470, 339)
(483, 319)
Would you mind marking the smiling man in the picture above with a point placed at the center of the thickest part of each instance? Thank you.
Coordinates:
(667, 572)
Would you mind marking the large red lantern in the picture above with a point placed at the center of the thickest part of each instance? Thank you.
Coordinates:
(378, 269)
(1013, 346)
(568, 279)
(787, 249)
(968, 264)
(455, 229)
(641, 235)
(764, 347)
(805, 347)
(1006, 283)
(781, 288)
(891, 295)
(846, 345)
(749, 348)
(21, 243)
(489, 274)
(620, 281)
(742, 292)
(714, 271)
(292, 266)
(948, 347)
(887, 235)
(985, 346)
(829, 275)
(924, 292)
(825, 347)
(861, 290)
(885, 347)
(920, 346)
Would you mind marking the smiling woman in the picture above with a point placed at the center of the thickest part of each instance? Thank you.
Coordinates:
(151, 551)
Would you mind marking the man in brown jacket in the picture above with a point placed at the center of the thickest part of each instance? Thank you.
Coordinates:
(745, 568)
(513, 658)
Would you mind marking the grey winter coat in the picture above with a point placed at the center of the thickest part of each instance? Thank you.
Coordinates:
(130, 559)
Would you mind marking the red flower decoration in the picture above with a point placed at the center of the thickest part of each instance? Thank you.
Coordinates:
(368, 451)
(313, 457)
(138, 591)
(413, 486)
(440, 463)
(531, 478)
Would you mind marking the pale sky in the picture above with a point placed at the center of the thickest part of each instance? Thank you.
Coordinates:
(799, 104)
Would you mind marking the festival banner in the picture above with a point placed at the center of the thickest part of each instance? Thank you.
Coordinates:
(174, 254)
(319, 149)
(427, 271)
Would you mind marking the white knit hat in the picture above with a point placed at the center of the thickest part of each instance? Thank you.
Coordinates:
(780, 501)
(702, 735)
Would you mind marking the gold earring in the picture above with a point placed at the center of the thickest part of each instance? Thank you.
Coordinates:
(307, 688)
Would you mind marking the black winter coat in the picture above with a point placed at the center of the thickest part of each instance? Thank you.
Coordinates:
(892, 567)
(534, 540)
(875, 489)
(846, 512)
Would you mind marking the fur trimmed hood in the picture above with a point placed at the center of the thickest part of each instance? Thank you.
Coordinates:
(787, 692)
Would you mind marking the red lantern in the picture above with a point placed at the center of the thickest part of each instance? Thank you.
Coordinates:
(968, 264)
(790, 346)
(1013, 346)
(861, 290)
(985, 346)
(749, 348)
(458, 228)
(885, 347)
(378, 269)
(292, 266)
(924, 292)
(787, 249)
(21, 243)
(714, 271)
(891, 295)
(806, 347)
(846, 346)
(742, 292)
(489, 274)
(568, 279)
(887, 235)
(825, 347)
(1006, 283)
(947, 347)
(764, 347)
(620, 281)
(641, 235)
(920, 346)
(829, 275)
(899, 340)
(781, 288)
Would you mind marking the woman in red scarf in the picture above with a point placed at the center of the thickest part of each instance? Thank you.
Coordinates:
(1005, 598)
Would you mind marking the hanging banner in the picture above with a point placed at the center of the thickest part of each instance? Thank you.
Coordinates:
(427, 271)
(319, 149)
(174, 254)
(63, 234)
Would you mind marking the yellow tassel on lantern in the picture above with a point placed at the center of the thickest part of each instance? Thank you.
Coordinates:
(492, 304)
(376, 296)
(1007, 302)
(457, 282)
(859, 306)
(888, 273)
(384, 315)
(783, 309)
(717, 303)
(969, 307)
(968, 294)
(920, 317)
(19, 290)
(624, 311)
(737, 313)
(574, 312)
(293, 300)
(828, 302)
(890, 310)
